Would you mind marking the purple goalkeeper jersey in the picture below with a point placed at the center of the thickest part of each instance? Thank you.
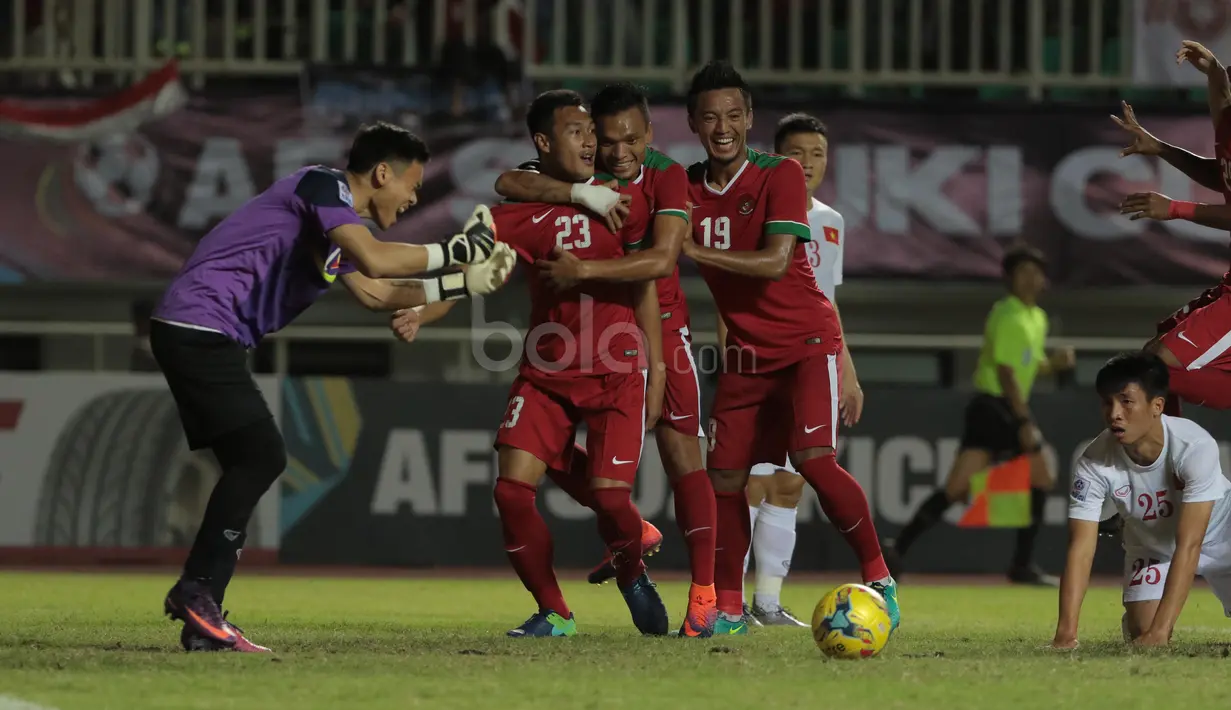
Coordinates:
(259, 268)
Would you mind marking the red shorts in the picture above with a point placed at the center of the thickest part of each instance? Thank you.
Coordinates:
(759, 417)
(682, 399)
(1199, 334)
(543, 415)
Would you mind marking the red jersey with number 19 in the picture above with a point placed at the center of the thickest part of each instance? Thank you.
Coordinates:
(773, 323)
(590, 329)
(665, 184)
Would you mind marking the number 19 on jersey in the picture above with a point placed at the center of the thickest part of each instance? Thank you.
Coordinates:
(716, 232)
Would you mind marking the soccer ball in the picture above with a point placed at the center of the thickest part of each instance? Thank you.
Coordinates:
(851, 621)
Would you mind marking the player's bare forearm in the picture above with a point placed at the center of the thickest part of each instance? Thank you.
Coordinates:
(1218, 91)
(769, 262)
(848, 363)
(650, 321)
(435, 311)
(1083, 539)
(529, 186)
(1203, 171)
(383, 294)
(654, 263)
(1013, 393)
(380, 260)
(1216, 216)
(722, 334)
(1194, 518)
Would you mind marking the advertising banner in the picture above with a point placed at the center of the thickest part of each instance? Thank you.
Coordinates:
(100, 461)
(393, 474)
(932, 195)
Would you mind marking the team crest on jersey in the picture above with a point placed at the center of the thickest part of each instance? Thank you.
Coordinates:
(746, 204)
(344, 194)
(1122, 492)
(1079, 489)
(831, 234)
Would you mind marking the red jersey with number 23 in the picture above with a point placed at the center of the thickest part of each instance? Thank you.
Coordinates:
(598, 319)
(777, 322)
(665, 185)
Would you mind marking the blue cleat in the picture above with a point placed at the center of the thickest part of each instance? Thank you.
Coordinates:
(888, 589)
(546, 623)
(646, 606)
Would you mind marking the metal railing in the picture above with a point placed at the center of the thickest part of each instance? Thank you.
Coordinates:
(99, 331)
(1034, 45)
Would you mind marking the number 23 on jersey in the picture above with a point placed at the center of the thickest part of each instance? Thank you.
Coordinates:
(572, 231)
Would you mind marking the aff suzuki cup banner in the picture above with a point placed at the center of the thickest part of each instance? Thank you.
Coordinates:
(927, 192)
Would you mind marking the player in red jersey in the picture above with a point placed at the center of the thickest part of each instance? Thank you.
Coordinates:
(1195, 341)
(584, 362)
(622, 117)
(749, 219)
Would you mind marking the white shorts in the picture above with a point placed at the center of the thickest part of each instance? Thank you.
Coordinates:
(1145, 575)
(769, 469)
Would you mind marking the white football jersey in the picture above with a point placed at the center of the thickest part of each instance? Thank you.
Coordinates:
(825, 249)
(1187, 471)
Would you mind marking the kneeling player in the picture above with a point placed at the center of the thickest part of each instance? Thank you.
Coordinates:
(582, 364)
(1163, 476)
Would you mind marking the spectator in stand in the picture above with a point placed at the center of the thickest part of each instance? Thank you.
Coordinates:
(479, 43)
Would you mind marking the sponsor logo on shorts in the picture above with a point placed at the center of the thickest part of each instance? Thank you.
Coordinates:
(1079, 489)
(810, 429)
(616, 460)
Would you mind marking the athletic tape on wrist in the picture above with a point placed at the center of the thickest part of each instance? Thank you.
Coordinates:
(1179, 209)
(435, 256)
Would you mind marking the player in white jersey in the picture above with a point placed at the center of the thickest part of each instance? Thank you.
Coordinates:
(774, 488)
(1162, 475)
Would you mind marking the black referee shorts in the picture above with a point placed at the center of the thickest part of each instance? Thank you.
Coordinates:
(209, 379)
(992, 426)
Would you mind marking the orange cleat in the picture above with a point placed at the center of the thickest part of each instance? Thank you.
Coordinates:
(651, 542)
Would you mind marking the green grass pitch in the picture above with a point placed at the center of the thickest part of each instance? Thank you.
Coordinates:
(99, 641)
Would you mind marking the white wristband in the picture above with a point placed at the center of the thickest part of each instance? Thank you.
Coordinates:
(431, 291)
(435, 256)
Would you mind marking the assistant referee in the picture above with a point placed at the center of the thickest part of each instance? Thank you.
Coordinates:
(998, 425)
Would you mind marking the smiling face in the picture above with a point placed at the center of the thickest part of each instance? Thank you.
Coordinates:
(396, 190)
(622, 141)
(721, 120)
(568, 152)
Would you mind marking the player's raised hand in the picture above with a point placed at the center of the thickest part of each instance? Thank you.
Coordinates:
(492, 273)
(1144, 143)
(1146, 205)
(563, 271)
(405, 323)
(475, 242)
(1196, 54)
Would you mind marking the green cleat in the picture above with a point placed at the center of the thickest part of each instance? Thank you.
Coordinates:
(888, 589)
(730, 626)
(545, 624)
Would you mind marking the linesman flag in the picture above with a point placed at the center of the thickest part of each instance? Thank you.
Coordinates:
(1000, 496)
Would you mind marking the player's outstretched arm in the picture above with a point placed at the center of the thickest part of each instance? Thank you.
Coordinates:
(1152, 205)
(769, 262)
(377, 259)
(527, 184)
(1204, 171)
(1083, 539)
(1189, 534)
(650, 322)
(658, 261)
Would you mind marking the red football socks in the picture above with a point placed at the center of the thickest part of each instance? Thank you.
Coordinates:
(734, 534)
(528, 543)
(619, 523)
(1207, 387)
(846, 506)
(696, 512)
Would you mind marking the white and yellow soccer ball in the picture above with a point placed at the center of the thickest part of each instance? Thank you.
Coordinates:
(851, 622)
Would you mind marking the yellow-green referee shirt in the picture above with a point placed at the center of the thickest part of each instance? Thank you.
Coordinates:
(1014, 336)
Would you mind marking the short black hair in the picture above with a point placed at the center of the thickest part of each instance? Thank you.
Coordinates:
(715, 75)
(797, 123)
(615, 98)
(384, 143)
(1144, 369)
(1020, 254)
(542, 112)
